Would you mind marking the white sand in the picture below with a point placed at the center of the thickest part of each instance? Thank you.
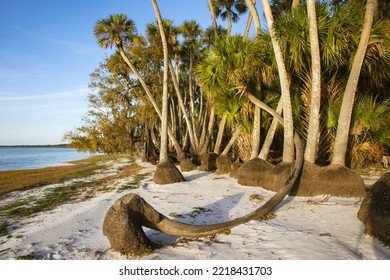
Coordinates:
(318, 228)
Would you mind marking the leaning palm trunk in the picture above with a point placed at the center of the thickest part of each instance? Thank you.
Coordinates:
(271, 133)
(315, 98)
(288, 144)
(344, 122)
(213, 18)
(247, 27)
(135, 71)
(221, 129)
(232, 140)
(124, 220)
(256, 19)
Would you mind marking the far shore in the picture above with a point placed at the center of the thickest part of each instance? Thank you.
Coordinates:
(36, 146)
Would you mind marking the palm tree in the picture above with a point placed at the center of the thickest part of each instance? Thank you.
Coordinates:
(119, 30)
(315, 97)
(164, 119)
(230, 10)
(288, 143)
(342, 136)
(166, 172)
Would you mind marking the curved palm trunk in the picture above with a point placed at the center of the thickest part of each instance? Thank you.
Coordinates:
(344, 122)
(129, 238)
(288, 143)
(315, 102)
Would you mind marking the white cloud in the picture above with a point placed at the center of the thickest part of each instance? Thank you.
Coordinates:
(62, 94)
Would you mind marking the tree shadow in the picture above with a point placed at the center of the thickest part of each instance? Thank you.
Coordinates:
(196, 176)
(216, 212)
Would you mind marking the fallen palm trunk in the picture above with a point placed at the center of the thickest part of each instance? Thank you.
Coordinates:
(126, 217)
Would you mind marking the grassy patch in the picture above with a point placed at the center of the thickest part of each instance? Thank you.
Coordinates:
(27, 179)
(63, 194)
(31, 178)
(26, 257)
(134, 183)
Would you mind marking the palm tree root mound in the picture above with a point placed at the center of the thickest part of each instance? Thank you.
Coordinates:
(333, 180)
(223, 164)
(315, 180)
(374, 211)
(258, 172)
(208, 162)
(187, 165)
(167, 173)
(123, 225)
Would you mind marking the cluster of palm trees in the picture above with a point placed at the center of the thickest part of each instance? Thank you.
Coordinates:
(319, 69)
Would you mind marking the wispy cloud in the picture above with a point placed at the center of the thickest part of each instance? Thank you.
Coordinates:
(11, 74)
(62, 94)
(77, 47)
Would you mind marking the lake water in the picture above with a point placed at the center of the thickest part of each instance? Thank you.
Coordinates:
(31, 158)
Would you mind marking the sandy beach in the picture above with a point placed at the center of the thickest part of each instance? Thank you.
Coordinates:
(315, 228)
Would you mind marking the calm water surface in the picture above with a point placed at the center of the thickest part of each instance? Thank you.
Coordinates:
(31, 158)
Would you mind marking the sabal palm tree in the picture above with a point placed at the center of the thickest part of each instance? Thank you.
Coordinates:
(342, 136)
(164, 119)
(288, 143)
(230, 10)
(119, 30)
(315, 100)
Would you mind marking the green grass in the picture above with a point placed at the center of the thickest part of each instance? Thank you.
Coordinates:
(32, 178)
(134, 183)
(63, 194)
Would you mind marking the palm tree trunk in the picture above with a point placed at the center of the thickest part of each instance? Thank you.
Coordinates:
(231, 142)
(183, 109)
(164, 119)
(221, 129)
(288, 143)
(256, 133)
(344, 122)
(315, 100)
(213, 18)
(229, 28)
(295, 3)
(256, 19)
(206, 143)
(271, 133)
(247, 27)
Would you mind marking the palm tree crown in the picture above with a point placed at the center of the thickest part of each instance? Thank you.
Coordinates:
(116, 29)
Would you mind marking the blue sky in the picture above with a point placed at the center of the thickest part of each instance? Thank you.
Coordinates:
(48, 50)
